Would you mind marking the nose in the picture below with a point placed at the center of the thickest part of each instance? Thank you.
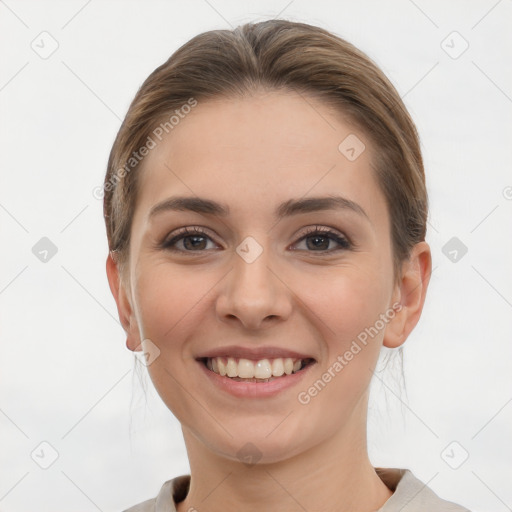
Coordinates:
(254, 294)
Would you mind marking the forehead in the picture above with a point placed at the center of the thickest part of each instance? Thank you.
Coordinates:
(259, 149)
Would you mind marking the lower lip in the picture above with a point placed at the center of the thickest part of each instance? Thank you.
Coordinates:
(254, 389)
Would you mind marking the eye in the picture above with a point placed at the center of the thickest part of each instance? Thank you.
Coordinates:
(194, 240)
(317, 239)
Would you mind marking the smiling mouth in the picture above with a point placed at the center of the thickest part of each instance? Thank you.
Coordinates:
(262, 370)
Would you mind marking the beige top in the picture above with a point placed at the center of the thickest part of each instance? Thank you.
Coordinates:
(409, 495)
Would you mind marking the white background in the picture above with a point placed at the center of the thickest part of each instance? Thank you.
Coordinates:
(65, 375)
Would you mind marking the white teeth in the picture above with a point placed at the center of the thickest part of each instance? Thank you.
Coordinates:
(248, 369)
(245, 369)
(277, 367)
(231, 368)
(221, 365)
(262, 369)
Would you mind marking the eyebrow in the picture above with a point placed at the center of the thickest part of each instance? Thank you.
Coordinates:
(287, 209)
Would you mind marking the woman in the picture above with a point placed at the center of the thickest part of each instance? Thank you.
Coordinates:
(266, 212)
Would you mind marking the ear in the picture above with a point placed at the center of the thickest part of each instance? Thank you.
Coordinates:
(409, 295)
(124, 308)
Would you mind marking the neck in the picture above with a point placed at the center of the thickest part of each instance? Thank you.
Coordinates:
(334, 476)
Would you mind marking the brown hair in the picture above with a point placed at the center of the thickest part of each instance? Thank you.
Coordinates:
(276, 55)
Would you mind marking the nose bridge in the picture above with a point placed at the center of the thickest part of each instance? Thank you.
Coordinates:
(252, 268)
(253, 292)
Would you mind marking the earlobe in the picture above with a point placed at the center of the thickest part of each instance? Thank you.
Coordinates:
(410, 294)
(124, 308)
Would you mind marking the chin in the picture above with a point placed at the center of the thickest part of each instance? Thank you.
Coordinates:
(256, 446)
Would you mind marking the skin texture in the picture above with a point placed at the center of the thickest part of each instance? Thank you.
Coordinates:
(252, 154)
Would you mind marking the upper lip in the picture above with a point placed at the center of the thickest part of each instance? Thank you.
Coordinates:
(254, 353)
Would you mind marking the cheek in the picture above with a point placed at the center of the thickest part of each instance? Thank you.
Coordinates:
(169, 300)
(348, 307)
(348, 300)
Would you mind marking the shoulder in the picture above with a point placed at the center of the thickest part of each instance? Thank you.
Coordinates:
(145, 506)
(171, 492)
(412, 495)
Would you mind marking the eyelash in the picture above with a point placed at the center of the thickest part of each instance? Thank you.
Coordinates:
(316, 230)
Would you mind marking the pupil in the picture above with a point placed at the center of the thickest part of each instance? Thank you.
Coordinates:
(320, 237)
(195, 243)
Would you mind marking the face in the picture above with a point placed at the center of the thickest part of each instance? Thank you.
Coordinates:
(276, 276)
